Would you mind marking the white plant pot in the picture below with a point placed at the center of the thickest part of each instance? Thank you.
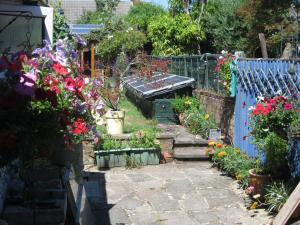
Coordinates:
(115, 122)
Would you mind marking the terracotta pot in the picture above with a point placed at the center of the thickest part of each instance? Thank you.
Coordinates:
(166, 157)
(258, 181)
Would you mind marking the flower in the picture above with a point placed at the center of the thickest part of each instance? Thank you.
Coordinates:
(206, 117)
(79, 127)
(187, 102)
(211, 143)
(221, 154)
(254, 205)
(58, 68)
(249, 190)
(288, 106)
(237, 150)
(219, 145)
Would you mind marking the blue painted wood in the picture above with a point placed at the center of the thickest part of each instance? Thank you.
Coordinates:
(261, 78)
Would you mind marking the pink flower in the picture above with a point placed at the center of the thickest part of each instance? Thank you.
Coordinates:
(70, 84)
(287, 106)
(249, 190)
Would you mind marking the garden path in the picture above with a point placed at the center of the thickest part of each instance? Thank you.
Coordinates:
(178, 193)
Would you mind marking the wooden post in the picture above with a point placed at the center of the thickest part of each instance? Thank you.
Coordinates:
(92, 60)
(81, 58)
(263, 45)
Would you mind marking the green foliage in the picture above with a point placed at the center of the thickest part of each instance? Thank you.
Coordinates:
(175, 35)
(199, 122)
(132, 162)
(190, 7)
(275, 150)
(141, 14)
(270, 18)
(276, 195)
(235, 163)
(108, 143)
(223, 27)
(61, 29)
(143, 139)
(128, 41)
(181, 104)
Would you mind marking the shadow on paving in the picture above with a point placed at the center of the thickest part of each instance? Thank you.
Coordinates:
(95, 191)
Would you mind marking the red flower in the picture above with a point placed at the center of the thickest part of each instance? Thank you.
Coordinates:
(288, 106)
(79, 127)
(58, 68)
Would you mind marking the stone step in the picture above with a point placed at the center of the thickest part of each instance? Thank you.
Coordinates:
(183, 141)
(190, 153)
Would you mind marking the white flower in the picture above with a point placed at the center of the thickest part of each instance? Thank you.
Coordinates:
(251, 108)
(223, 52)
(110, 36)
(130, 29)
(86, 80)
(221, 57)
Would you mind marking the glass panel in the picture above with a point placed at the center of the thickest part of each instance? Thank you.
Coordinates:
(20, 33)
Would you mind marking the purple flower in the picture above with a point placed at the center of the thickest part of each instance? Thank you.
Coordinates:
(80, 40)
(43, 51)
(26, 84)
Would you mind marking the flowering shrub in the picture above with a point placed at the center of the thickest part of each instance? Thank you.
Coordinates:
(234, 163)
(270, 120)
(49, 94)
(223, 68)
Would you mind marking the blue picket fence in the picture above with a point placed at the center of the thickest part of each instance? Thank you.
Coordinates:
(261, 78)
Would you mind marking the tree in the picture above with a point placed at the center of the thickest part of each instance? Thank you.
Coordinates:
(224, 29)
(175, 35)
(268, 17)
(141, 14)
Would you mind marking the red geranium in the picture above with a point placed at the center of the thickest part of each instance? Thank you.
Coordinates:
(58, 68)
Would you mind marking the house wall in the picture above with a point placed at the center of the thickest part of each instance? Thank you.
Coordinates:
(73, 9)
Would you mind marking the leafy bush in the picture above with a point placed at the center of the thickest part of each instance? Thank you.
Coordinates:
(143, 139)
(108, 143)
(141, 14)
(235, 163)
(185, 103)
(199, 122)
(276, 195)
(175, 35)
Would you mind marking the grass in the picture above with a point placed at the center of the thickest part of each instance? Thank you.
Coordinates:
(134, 119)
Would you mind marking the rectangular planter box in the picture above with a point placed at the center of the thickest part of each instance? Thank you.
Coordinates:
(116, 157)
(146, 156)
(111, 158)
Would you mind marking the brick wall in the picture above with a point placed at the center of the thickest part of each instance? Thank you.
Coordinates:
(222, 108)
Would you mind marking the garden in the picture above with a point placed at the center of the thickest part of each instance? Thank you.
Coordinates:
(52, 109)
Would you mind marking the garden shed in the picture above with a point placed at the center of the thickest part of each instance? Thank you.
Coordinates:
(153, 94)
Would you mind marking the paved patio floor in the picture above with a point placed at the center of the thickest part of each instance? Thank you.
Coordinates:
(179, 193)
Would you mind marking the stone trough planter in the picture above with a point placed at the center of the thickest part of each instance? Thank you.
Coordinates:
(117, 157)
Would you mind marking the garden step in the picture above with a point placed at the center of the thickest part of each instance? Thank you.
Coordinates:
(190, 153)
(190, 140)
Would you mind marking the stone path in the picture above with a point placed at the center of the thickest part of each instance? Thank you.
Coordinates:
(178, 193)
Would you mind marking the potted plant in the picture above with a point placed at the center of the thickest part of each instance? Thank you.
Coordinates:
(141, 148)
(270, 121)
(114, 116)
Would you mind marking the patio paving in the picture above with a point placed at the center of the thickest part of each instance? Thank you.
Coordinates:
(178, 193)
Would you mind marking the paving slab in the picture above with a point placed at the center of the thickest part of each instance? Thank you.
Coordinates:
(177, 193)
